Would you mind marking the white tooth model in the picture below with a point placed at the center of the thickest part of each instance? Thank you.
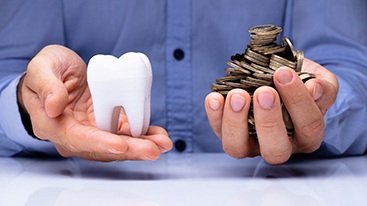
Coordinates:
(121, 82)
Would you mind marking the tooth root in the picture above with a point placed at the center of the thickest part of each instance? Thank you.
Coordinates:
(107, 119)
(123, 82)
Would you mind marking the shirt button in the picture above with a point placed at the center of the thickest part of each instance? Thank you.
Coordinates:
(180, 145)
(179, 54)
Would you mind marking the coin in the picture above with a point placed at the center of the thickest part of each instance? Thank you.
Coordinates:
(255, 68)
(220, 87)
(261, 28)
(263, 69)
(247, 66)
(289, 52)
(257, 56)
(282, 61)
(264, 64)
(263, 76)
(260, 82)
(305, 76)
(300, 56)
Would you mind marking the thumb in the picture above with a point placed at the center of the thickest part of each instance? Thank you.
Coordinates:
(54, 98)
(43, 79)
(50, 90)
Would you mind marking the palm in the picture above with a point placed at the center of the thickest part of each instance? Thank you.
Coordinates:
(80, 105)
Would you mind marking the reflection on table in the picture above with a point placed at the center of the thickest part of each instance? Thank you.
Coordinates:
(183, 179)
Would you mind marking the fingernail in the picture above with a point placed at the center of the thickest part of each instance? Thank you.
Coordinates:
(266, 99)
(284, 76)
(317, 92)
(214, 104)
(237, 102)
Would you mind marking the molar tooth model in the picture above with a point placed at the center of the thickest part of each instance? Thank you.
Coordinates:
(121, 82)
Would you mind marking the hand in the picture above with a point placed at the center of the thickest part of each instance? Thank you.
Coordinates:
(55, 93)
(306, 103)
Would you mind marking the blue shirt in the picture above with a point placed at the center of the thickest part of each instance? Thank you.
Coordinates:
(188, 43)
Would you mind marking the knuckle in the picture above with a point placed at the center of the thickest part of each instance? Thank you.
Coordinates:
(297, 100)
(267, 127)
(313, 129)
(233, 122)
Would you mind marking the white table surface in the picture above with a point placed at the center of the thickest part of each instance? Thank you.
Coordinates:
(183, 179)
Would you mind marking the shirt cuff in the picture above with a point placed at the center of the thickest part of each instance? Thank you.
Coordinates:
(12, 123)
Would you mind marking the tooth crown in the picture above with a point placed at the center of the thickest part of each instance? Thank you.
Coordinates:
(121, 82)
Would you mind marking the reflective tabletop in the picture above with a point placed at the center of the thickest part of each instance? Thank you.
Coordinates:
(183, 179)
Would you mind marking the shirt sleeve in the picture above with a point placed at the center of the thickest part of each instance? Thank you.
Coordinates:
(13, 136)
(25, 28)
(332, 34)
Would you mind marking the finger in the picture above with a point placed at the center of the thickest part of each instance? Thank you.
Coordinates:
(95, 141)
(324, 88)
(214, 110)
(320, 72)
(235, 136)
(142, 149)
(322, 92)
(275, 145)
(105, 149)
(94, 144)
(52, 93)
(43, 126)
(305, 114)
(159, 136)
(101, 157)
(83, 138)
(156, 134)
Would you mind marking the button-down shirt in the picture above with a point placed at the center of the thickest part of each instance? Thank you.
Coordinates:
(188, 43)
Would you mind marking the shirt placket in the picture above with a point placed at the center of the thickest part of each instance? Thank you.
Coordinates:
(179, 81)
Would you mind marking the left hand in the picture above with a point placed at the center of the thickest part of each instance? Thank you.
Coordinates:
(306, 103)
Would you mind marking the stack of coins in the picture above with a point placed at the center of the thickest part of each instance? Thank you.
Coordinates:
(255, 67)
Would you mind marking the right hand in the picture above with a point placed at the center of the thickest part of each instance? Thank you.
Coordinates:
(306, 103)
(55, 94)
